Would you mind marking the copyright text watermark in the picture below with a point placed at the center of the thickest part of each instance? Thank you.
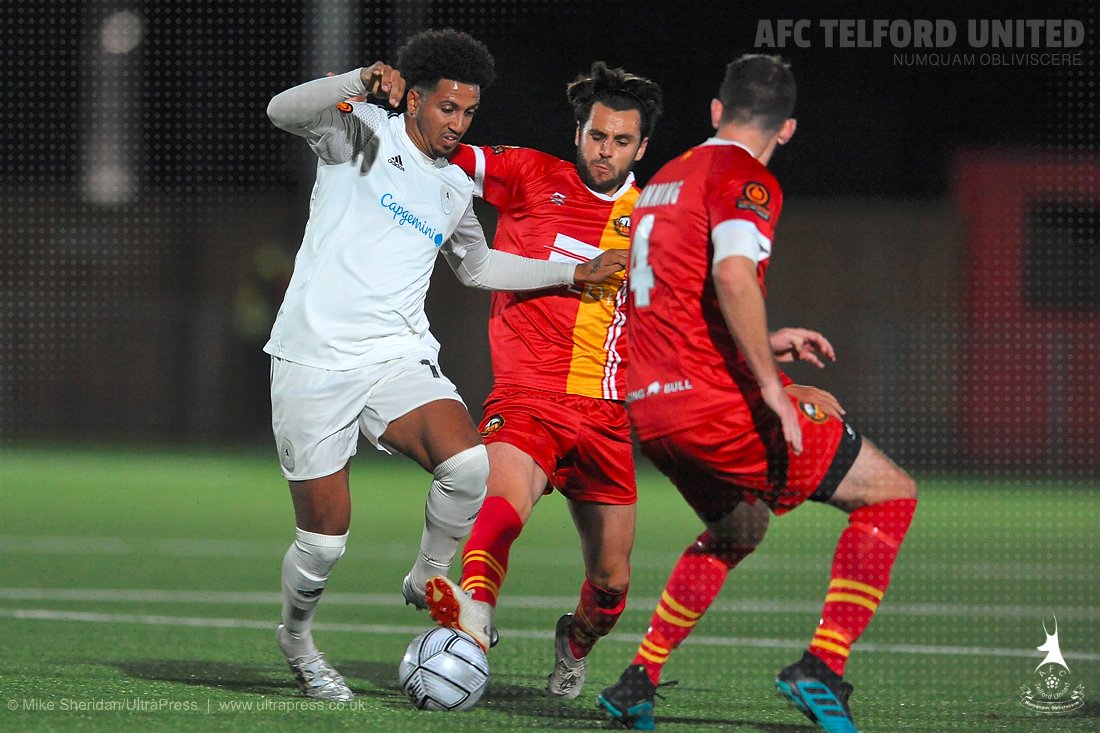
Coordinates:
(167, 705)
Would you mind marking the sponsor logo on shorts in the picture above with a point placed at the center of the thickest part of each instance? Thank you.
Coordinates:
(493, 424)
(812, 412)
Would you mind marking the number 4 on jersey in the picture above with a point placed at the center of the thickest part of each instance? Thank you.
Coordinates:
(641, 274)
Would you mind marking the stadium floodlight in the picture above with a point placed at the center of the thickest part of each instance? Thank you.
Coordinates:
(112, 141)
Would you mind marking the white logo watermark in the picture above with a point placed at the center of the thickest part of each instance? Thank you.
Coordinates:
(1053, 691)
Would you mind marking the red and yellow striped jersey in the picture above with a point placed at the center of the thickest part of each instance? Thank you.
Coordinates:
(569, 339)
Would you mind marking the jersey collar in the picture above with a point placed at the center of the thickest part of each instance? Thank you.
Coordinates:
(720, 141)
(614, 196)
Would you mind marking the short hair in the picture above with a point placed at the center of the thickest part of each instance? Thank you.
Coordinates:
(758, 89)
(618, 90)
(429, 56)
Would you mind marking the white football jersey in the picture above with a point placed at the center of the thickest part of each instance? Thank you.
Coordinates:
(379, 214)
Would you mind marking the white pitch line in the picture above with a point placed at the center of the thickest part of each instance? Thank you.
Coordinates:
(40, 614)
(188, 547)
(384, 600)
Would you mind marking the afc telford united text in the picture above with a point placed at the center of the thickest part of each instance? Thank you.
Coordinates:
(920, 33)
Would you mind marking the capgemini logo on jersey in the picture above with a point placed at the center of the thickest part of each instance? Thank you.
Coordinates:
(404, 216)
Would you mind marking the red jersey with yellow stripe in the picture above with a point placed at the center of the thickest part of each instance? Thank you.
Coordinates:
(569, 339)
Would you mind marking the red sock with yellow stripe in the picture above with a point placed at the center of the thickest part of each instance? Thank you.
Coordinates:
(595, 616)
(485, 557)
(861, 571)
(691, 588)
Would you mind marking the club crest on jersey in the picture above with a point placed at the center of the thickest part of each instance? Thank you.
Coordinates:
(446, 199)
(755, 197)
(498, 149)
(622, 226)
(812, 412)
(344, 107)
(493, 424)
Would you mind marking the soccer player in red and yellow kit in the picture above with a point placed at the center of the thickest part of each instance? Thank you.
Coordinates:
(714, 413)
(555, 419)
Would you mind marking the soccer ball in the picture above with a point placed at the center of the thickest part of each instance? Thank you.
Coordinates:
(444, 669)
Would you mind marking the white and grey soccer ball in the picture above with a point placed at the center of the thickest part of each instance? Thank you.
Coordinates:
(444, 669)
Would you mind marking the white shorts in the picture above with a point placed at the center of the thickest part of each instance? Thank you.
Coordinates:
(316, 414)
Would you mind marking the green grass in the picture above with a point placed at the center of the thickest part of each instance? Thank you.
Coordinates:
(147, 580)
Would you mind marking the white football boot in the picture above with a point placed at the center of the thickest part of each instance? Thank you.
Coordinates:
(454, 608)
(567, 679)
(316, 678)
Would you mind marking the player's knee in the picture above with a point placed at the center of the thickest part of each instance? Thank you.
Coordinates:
(729, 549)
(610, 579)
(744, 527)
(901, 486)
(464, 474)
(316, 554)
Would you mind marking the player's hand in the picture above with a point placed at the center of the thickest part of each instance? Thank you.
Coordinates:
(828, 403)
(599, 269)
(776, 398)
(801, 344)
(385, 82)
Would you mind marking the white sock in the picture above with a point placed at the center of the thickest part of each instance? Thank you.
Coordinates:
(306, 567)
(453, 502)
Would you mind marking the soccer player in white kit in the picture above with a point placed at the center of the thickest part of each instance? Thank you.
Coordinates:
(351, 350)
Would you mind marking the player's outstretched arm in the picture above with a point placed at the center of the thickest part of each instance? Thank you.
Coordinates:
(298, 110)
(477, 266)
(742, 305)
(801, 344)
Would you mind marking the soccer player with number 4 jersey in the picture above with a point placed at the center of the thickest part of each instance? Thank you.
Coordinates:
(555, 419)
(715, 414)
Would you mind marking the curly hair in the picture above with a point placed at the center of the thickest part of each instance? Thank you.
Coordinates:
(617, 89)
(431, 55)
(759, 89)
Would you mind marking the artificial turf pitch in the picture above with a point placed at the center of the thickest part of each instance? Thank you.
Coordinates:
(138, 591)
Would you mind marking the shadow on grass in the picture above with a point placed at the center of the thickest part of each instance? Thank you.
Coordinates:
(517, 699)
(251, 679)
(513, 697)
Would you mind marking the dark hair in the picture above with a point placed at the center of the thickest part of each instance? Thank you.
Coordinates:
(430, 56)
(758, 89)
(617, 89)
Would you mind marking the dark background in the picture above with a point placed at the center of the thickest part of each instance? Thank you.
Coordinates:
(868, 126)
(144, 318)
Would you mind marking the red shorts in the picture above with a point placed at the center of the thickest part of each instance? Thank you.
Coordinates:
(582, 444)
(718, 464)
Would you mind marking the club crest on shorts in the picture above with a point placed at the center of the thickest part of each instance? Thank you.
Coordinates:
(493, 424)
(344, 107)
(1053, 690)
(812, 412)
